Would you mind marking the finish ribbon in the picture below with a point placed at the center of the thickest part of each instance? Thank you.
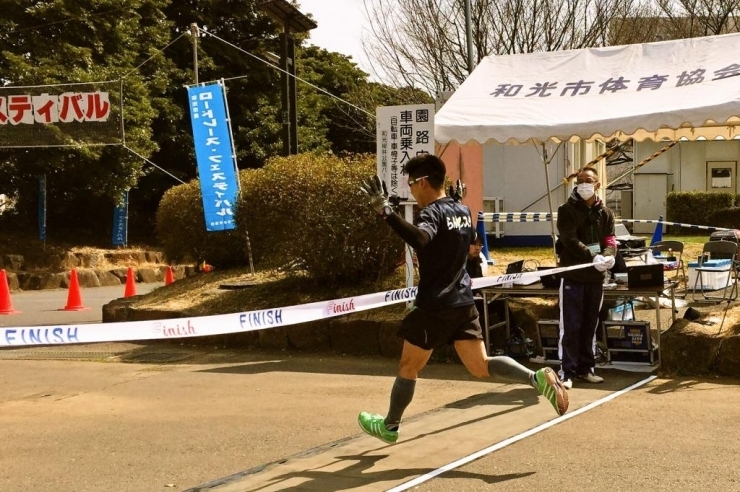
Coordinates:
(222, 324)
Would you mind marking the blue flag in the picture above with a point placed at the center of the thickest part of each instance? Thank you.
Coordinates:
(42, 208)
(120, 222)
(214, 154)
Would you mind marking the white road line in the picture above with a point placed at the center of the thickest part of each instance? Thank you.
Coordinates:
(511, 440)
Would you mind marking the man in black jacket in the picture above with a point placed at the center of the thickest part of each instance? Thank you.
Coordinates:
(586, 229)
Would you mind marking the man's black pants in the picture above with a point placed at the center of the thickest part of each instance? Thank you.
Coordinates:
(580, 304)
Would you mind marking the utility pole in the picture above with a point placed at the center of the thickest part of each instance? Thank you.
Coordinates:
(194, 35)
(293, 21)
(286, 62)
(469, 35)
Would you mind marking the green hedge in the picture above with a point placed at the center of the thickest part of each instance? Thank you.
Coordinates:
(695, 207)
(727, 217)
(181, 231)
(307, 208)
(304, 209)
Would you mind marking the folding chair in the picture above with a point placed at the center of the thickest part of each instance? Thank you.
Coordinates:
(718, 250)
(674, 248)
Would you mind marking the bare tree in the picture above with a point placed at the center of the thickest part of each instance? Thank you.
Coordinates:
(695, 18)
(677, 19)
(422, 43)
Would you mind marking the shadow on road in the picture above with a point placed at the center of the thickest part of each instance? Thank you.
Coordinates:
(353, 476)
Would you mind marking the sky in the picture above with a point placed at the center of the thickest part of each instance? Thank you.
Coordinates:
(340, 27)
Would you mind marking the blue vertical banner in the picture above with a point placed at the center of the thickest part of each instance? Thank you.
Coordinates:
(214, 154)
(42, 208)
(120, 222)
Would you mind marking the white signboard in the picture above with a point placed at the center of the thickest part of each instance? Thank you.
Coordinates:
(402, 133)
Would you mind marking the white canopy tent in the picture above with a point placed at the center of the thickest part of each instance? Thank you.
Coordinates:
(686, 89)
(671, 90)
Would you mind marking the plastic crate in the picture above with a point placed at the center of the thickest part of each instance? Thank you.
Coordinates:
(714, 279)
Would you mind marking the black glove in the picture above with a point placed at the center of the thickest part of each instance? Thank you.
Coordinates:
(456, 192)
(377, 195)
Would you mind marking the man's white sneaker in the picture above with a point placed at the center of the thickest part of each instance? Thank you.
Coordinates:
(568, 384)
(590, 378)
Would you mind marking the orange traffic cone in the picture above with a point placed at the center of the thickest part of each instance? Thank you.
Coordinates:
(74, 299)
(6, 307)
(130, 283)
(169, 277)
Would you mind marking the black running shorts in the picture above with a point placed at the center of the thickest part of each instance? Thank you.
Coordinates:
(433, 329)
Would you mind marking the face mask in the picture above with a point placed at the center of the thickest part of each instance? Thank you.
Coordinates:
(586, 190)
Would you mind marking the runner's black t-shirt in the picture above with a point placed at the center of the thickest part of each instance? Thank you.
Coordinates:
(443, 280)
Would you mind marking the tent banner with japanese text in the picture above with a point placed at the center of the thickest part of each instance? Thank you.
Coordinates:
(61, 115)
(403, 132)
(214, 154)
(675, 90)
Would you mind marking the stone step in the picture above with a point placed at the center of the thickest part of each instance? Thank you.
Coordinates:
(89, 277)
(96, 259)
(95, 268)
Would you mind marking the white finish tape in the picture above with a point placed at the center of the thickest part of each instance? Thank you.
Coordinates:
(228, 323)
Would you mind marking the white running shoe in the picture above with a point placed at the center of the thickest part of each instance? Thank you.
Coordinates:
(568, 384)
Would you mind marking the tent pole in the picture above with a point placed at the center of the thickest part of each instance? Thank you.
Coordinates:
(546, 160)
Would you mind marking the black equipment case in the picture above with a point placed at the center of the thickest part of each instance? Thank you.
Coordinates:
(731, 235)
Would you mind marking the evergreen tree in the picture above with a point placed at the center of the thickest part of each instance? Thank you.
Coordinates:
(73, 41)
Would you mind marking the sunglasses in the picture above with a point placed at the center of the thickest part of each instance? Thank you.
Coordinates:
(416, 180)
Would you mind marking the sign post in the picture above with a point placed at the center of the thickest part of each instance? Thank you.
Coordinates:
(403, 132)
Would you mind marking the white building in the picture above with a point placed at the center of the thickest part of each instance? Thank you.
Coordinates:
(687, 166)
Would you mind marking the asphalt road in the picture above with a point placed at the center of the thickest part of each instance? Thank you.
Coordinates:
(202, 419)
(45, 307)
(220, 421)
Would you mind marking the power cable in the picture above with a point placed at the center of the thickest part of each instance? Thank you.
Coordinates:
(159, 50)
(283, 71)
(153, 164)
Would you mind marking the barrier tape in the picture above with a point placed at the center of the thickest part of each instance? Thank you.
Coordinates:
(679, 224)
(501, 217)
(519, 216)
(222, 324)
